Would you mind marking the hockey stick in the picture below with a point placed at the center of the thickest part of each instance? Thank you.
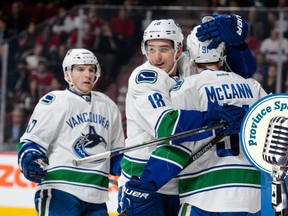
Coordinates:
(113, 152)
(205, 148)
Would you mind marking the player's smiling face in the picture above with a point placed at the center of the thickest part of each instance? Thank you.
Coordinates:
(160, 53)
(83, 77)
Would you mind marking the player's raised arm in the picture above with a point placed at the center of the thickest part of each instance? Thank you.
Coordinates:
(231, 29)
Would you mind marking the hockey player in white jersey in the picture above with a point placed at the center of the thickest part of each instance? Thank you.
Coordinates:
(76, 122)
(221, 181)
(150, 114)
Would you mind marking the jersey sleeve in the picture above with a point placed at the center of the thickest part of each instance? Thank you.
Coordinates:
(149, 101)
(44, 121)
(171, 159)
(240, 60)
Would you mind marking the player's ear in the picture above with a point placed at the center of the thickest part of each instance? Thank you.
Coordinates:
(179, 51)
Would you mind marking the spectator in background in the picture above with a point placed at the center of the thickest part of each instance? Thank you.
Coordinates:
(63, 24)
(87, 37)
(270, 48)
(253, 42)
(270, 20)
(17, 20)
(256, 24)
(94, 18)
(124, 28)
(26, 40)
(31, 96)
(43, 77)
(17, 81)
(269, 83)
(35, 57)
(55, 84)
(48, 39)
(262, 64)
(262, 67)
(55, 62)
(15, 128)
(105, 48)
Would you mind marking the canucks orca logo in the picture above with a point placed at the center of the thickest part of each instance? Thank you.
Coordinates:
(89, 144)
(146, 77)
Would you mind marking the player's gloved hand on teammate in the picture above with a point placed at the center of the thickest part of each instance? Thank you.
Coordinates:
(139, 198)
(32, 170)
(232, 115)
(231, 29)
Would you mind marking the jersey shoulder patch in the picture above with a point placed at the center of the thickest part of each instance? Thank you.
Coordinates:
(178, 85)
(47, 99)
(146, 76)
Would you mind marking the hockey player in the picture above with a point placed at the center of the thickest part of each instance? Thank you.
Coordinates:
(76, 122)
(215, 183)
(150, 114)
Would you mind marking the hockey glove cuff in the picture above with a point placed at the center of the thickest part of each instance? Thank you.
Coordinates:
(139, 198)
(27, 159)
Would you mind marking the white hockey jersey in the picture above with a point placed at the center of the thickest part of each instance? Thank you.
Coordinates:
(221, 180)
(66, 126)
(147, 103)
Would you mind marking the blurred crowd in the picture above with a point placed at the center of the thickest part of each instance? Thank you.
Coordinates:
(41, 32)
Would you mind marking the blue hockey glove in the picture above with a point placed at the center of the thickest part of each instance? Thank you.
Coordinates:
(230, 114)
(231, 29)
(139, 198)
(32, 170)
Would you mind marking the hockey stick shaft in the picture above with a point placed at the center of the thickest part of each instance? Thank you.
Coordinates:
(206, 148)
(114, 152)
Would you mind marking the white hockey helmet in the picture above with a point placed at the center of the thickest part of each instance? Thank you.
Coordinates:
(77, 57)
(163, 29)
(80, 56)
(199, 53)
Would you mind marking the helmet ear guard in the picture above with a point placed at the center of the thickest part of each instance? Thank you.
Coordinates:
(143, 50)
(199, 53)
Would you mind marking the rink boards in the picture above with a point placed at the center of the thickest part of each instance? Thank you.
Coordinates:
(17, 193)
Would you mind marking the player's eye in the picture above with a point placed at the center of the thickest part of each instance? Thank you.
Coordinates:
(151, 49)
(80, 69)
(92, 70)
(164, 49)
